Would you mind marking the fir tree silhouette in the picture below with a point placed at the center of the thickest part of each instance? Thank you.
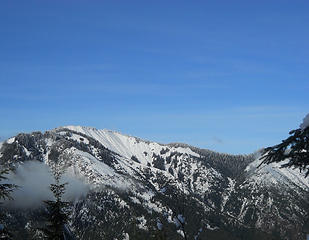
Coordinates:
(5, 193)
(57, 214)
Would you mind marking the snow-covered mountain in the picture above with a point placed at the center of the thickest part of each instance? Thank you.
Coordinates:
(146, 190)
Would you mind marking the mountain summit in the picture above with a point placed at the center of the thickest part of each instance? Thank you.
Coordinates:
(140, 189)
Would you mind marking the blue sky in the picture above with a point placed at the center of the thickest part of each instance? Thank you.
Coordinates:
(231, 76)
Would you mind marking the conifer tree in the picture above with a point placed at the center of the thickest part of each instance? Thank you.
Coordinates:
(57, 215)
(5, 190)
(294, 151)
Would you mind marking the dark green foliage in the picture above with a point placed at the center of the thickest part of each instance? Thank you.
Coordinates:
(163, 151)
(158, 161)
(5, 190)
(53, 154)
(4, 233)
(181, 176)
(135, 159)
(56, 215)
(295, 148)
(232, 165)
(168, 159)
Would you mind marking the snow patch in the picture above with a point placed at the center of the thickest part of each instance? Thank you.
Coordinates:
(26, 151)
(79, 138)
(126, 236)
(211, 228)
(181, 233)
(142, 223)
(10, 140)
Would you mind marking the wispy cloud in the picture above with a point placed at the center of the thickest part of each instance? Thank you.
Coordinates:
(34, 179)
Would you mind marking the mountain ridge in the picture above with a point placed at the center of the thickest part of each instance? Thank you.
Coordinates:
(173, 144)
(227, 192)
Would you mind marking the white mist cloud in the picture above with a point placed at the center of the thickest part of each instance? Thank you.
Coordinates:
(34, 179)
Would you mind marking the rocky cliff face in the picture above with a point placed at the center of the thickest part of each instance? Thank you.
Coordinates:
(144, 190)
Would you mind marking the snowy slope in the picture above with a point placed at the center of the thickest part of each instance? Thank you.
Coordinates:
(128, 146)
(274, 174)
(197, 174)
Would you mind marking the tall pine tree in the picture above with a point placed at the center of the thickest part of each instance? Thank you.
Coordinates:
(5, 193)
(56, 215)
(5, 188)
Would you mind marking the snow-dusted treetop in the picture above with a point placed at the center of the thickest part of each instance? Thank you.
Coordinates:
(305, 122)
